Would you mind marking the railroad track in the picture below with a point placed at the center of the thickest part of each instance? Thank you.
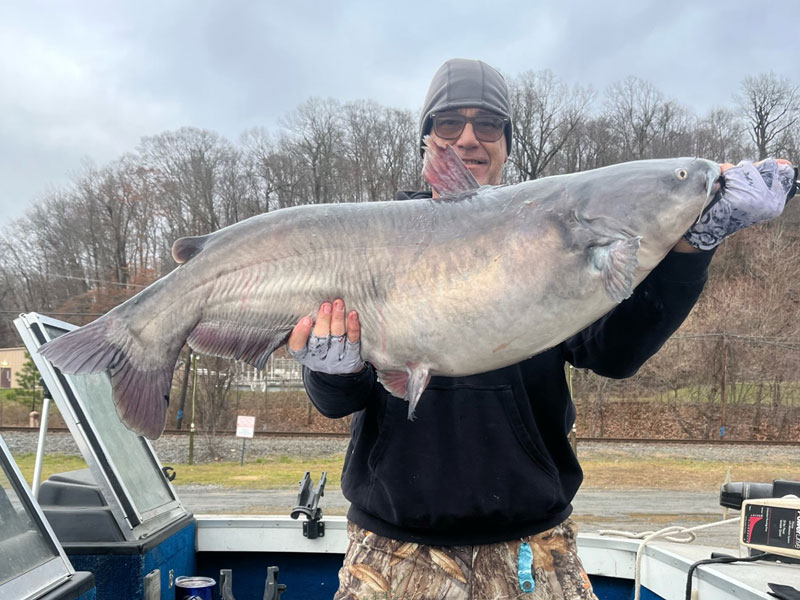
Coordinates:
(185, 432)
(312, 435)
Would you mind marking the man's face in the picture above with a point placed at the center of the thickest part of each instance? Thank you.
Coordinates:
(484, 159)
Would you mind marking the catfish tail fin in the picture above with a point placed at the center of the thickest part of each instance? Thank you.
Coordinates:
(141, 392)
(84, 350)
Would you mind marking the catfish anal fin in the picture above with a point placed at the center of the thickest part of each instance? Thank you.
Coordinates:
(253, 345)
(394, 382)
(445, 172)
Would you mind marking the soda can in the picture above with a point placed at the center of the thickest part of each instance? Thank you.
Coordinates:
(193, 588)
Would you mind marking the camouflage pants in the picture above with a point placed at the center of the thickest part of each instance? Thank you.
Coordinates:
(379, 568)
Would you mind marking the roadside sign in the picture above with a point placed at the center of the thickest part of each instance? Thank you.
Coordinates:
(245, 426)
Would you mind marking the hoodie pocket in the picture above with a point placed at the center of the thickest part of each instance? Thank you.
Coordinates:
(465, 456)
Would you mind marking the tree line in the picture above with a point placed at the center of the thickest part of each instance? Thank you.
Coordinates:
(87, 246)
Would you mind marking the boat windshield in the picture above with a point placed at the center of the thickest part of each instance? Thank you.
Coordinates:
(148, 490)
(123, 463)
(31, 560)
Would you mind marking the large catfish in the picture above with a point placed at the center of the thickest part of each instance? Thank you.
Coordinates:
(478, 279)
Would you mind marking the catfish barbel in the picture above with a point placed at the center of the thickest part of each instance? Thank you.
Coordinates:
(476, 280)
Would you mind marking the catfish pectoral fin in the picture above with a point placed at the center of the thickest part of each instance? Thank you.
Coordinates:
(617, 262)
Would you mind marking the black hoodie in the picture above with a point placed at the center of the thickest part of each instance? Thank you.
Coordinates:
(487, 457)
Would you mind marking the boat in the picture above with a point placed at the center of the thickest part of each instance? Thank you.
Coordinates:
(118, 529)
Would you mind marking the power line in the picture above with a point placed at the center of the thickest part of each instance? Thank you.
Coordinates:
(93, 280)
(744, 338)
(60, 314)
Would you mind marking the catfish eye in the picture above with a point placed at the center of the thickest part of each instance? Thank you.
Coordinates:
(681, 174)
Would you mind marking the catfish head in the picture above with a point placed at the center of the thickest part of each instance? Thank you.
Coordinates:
(655, 200)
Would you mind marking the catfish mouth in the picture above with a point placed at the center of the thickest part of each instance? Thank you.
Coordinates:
(714, 185)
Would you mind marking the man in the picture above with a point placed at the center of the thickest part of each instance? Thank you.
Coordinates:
(472, 498)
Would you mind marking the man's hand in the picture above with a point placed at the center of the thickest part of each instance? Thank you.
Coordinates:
(751, 193)
(334, 344)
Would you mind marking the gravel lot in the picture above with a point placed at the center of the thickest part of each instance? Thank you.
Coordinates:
(175, 448)
(595, 509)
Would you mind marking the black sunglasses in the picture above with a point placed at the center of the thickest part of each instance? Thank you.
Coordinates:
(487, 128)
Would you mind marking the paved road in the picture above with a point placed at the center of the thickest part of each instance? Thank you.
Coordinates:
(636, 510)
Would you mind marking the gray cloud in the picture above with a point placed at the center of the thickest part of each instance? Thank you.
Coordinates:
(92, 78)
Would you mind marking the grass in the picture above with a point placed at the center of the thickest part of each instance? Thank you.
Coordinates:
(600, 471)
(53, 463)
(262, 473)
(677, 474)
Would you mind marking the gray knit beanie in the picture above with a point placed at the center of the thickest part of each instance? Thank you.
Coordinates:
(463, 83)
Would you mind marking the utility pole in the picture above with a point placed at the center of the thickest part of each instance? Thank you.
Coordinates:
(191, 425)
(184, 385)
(724, 384)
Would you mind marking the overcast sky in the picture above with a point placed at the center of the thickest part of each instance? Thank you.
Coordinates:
(86, 80)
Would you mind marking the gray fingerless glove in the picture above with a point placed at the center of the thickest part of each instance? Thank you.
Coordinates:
(332, 354)
(751, 194)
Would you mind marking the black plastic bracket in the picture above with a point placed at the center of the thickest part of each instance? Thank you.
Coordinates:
(226, 584)
(313, 529)
(308, 504)
(45, 391)
(273, 589)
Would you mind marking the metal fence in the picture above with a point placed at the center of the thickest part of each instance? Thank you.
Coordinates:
(280, 372)
(707, 386)
(701, 387)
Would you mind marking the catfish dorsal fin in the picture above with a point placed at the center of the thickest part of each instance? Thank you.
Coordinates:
(186, 247)
(444, 171)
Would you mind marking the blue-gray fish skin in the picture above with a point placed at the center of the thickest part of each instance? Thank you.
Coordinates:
(451, 286)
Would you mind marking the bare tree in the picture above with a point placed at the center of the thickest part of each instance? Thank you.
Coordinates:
(364, 140)
(673, 131)
(381, 145)
(262, 172)
(592, 146)
(316, 141)
(215, 377)
(720, 136)
(771, 106)
(546, 115)
(189, 168)
(632, 108)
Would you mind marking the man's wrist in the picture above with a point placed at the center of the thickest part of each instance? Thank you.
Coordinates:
(685, 247)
